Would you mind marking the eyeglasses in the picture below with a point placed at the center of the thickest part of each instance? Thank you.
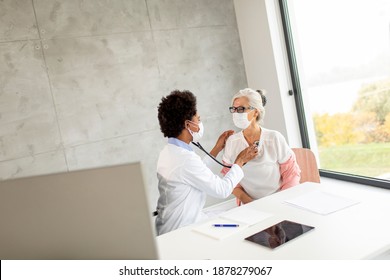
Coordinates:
(239, 109)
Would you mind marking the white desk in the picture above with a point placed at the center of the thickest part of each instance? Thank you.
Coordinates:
(359, 232)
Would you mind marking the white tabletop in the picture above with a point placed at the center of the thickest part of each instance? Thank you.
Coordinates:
(360, 231)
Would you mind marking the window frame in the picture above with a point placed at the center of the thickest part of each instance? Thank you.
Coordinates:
(297, 93)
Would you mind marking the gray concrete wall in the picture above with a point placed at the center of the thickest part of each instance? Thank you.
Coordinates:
(80, 81)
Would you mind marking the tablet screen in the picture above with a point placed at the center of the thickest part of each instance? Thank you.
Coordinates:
(278, 234)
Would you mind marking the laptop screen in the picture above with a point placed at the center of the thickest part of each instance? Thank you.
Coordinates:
(99, 213)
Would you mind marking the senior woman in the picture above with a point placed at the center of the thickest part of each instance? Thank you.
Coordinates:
(274, 168)
(184, 179)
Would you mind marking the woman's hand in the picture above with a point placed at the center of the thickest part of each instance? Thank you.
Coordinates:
(241, 195)
(220, 145)
(246, 155)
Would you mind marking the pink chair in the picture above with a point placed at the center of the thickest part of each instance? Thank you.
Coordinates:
(308, 165)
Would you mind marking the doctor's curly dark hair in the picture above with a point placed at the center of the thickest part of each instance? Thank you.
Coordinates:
(174, 110)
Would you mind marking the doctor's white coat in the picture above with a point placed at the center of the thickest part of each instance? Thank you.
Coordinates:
(184, 180)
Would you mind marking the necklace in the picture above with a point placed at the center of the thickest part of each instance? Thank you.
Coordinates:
(252, 137)
(255, 137)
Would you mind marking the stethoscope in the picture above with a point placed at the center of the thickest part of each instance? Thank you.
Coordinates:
(217, 161)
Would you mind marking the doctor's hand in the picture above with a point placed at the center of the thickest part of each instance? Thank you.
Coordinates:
(221, 142)
(246, 155)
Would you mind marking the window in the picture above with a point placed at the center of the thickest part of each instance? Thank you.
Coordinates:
(339, 55)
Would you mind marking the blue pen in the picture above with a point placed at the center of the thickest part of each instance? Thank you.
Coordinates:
(226, 225)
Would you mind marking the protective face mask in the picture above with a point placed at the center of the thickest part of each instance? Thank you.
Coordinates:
(196, 136)
(241, 120)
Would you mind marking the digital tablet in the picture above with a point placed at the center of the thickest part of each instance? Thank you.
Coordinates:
(278, 234)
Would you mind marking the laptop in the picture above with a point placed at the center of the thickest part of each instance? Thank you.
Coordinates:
(94, 214)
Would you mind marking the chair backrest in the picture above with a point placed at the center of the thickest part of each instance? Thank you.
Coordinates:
(308, 165)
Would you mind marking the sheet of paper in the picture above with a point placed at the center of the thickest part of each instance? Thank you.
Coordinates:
(321, 202)
(245, 215)
(219, 233)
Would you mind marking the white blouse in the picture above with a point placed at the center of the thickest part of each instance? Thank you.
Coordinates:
(262, 174)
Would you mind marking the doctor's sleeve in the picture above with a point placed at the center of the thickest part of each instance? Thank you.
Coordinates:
(199, 176)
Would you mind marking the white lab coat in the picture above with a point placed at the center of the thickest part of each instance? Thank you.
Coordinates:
(183, 182)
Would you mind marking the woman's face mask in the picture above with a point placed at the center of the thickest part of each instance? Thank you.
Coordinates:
(196, 136)
(241, 120)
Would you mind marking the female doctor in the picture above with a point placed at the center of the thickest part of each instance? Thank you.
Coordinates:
(184, 179)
